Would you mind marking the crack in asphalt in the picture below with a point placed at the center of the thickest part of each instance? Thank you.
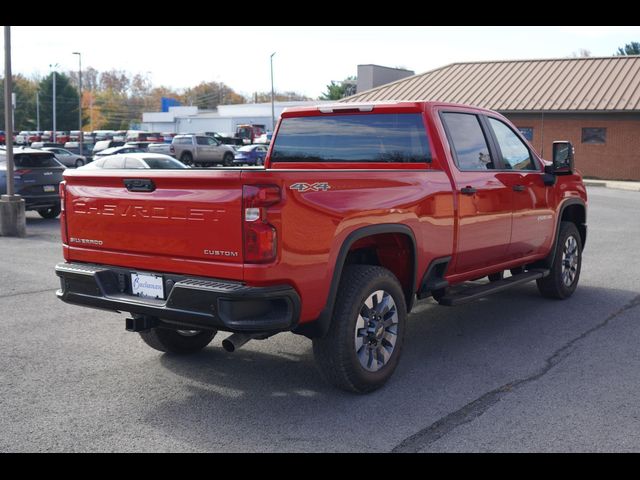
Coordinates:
(479, 406)
(16, 294)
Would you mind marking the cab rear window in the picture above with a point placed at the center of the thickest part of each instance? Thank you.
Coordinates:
(352, 138)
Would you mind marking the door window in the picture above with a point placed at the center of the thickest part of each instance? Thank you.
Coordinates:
(515, 153)
(468, 142)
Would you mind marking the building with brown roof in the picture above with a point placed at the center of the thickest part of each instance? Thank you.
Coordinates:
(593, 102)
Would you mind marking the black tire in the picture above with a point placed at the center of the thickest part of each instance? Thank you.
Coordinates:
(79, 162)
(336, 353)
(186, 158)
(173, 341)
(227, 159)
(52, 212)
(562, 282)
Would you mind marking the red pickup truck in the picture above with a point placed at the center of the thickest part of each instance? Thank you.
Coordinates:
(360, 210)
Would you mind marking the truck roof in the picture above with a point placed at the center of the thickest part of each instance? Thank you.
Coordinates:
(388, 106)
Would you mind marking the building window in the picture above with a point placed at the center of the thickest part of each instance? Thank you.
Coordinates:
(594, 135)
(527, 132)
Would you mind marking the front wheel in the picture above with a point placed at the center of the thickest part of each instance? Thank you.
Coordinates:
(177, 341)
(565, 270)
(362, 348)
(52, 212)
(227, 159)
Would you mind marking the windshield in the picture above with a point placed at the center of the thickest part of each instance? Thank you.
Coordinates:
(352, 138)
(35, 160)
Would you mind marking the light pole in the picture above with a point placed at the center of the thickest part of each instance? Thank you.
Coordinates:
(54, 101)
(79, 99)
(38, 110)
(273, 110)
(12, 218)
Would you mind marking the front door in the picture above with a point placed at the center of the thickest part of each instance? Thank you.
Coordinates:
(533, 220)
(484, 202)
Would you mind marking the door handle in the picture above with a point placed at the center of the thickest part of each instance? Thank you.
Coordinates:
(519, 188)
(468, 190)
(139, 184)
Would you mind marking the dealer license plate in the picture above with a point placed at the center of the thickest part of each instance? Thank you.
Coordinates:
(49, 188)
(145, 285)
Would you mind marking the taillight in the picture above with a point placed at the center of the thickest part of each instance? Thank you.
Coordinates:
(18, 173)
(62, 190)
(63, 214)
(172, 149)
(260, 237)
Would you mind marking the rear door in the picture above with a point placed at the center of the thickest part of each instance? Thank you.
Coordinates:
(484, 202)
(205, 151)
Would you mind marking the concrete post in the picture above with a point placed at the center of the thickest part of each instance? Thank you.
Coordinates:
(12, 217)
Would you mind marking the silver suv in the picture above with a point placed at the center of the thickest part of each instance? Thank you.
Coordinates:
(200, 150)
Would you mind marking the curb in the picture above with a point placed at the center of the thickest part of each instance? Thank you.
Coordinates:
(629, 186)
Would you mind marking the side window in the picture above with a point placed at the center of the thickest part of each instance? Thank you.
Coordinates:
(133, 163)
(202, 140)
(468, 141)
(515, 153)
(212, 141)
(113, 162)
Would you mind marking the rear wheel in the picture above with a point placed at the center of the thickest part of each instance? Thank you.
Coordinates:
(362, 348)
(227, 159)
(79, 162)
(186, 158)
(51, 212)
(565, 270)
(177, 341)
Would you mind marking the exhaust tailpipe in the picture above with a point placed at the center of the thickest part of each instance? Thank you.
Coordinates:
(237, 340)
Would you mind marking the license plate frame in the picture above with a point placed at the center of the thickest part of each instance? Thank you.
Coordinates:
(147, 285)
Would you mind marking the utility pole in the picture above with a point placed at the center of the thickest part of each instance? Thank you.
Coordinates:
(12, 217)
(38, 110)
(80, 135)
(54, 107)
(273, 110)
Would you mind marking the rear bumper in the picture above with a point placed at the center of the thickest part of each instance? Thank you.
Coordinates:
(193, 302)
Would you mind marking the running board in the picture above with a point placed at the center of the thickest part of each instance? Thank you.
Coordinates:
(479, 291)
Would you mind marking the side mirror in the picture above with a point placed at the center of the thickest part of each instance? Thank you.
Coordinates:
(563, 158)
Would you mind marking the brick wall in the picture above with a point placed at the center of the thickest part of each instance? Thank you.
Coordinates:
(617, 159)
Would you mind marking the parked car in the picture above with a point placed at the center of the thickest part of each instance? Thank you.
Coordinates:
(120, 135)
(47, 136)
(67, 158)
(28, 137)
(143, 145)
(74, 147)
(101, 135)
(251, 155)
(143, 160)
(37, 175)
(355, 216)
(168, 136)
(141, 136)
(62, 137)
(201, 151)
(3, 137)
(249, 132)
(43, 144)
(163, 148)
(117, 150)
(224, 138)
(104, 144)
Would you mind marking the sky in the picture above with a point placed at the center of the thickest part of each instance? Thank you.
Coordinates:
(306, 59)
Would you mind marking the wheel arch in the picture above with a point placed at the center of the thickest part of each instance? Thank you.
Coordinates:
(573, 210)
(357, 239)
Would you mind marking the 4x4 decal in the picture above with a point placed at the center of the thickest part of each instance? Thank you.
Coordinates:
(311, 187)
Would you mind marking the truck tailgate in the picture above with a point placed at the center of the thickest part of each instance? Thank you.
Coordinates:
(181, 221)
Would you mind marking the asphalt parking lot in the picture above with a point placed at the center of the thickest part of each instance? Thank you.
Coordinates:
(514, 372)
